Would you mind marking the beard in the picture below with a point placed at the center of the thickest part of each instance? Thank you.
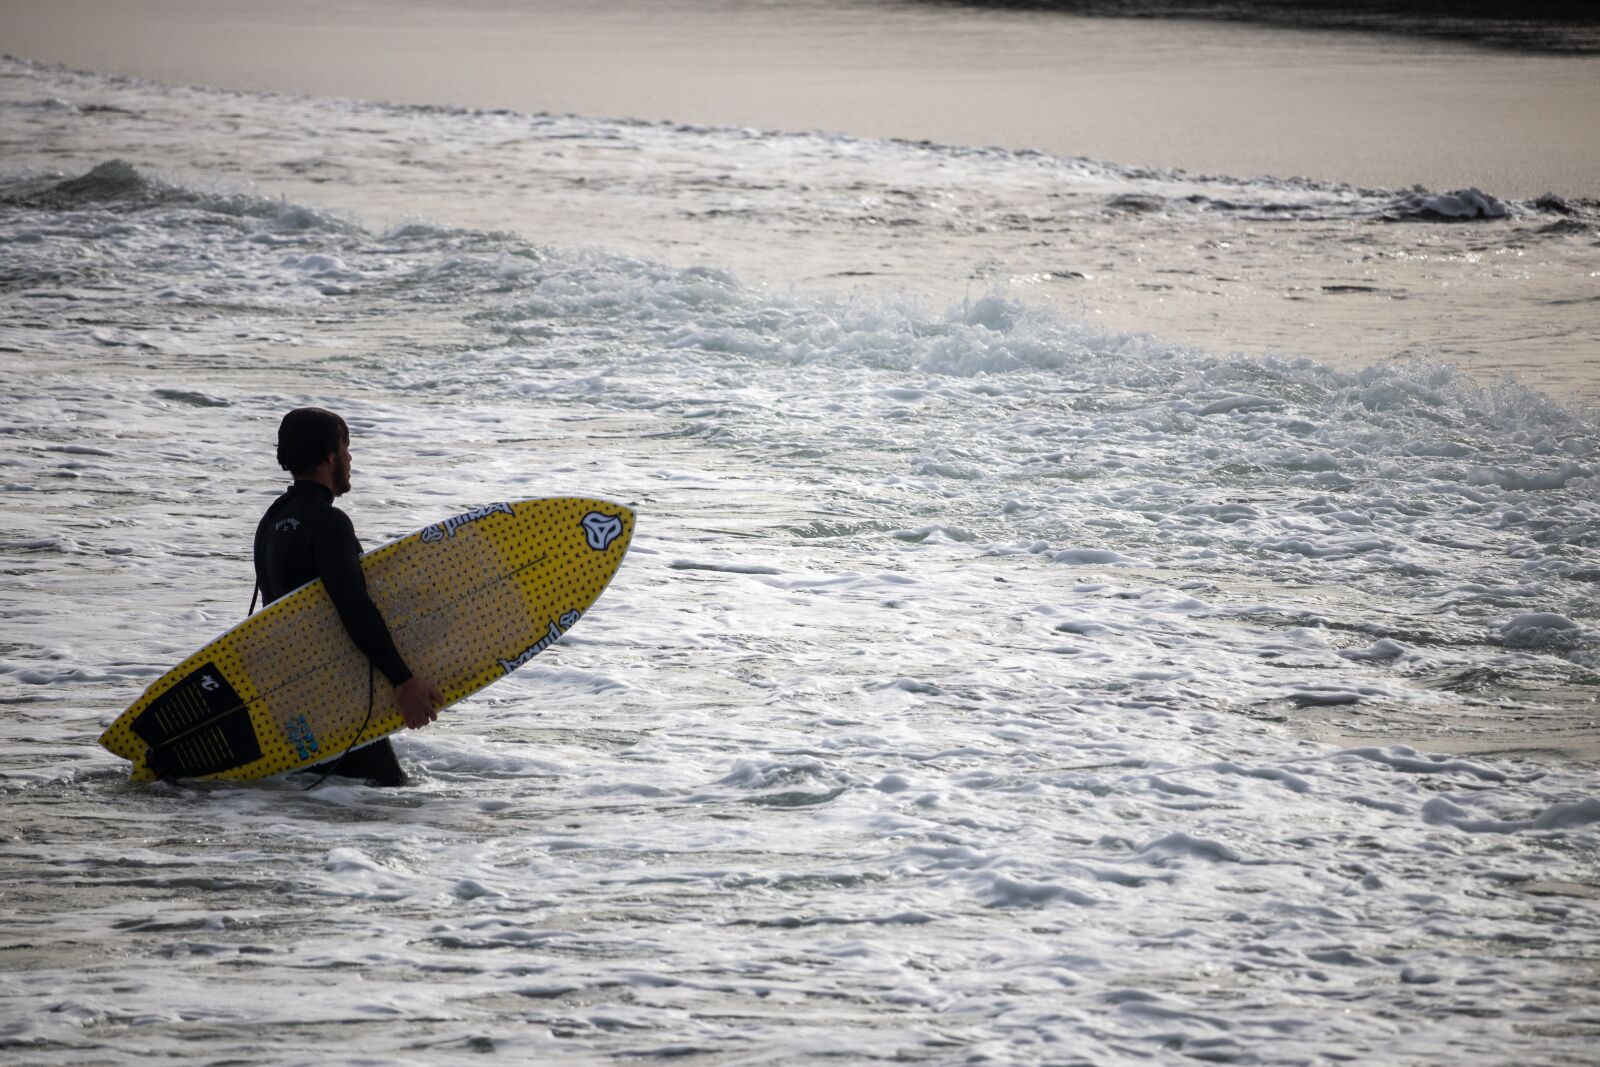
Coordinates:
(341, 477)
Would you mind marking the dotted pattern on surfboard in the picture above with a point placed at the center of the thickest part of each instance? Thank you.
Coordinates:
(468, 600)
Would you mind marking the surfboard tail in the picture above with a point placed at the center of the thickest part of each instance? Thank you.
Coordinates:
(116, 742)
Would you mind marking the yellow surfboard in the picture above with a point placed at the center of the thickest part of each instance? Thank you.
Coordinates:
(468, 601)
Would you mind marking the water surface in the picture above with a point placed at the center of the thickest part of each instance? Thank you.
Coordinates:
(1218, 98)
(985, 681)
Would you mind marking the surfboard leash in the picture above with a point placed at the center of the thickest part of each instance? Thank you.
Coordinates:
(333, 765)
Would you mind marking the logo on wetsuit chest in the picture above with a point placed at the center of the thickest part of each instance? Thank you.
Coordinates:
(440, 530)
(302, 737)
(551, 636)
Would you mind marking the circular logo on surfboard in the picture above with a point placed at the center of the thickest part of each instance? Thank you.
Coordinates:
(600, 529)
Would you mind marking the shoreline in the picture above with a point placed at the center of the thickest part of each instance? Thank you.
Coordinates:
(1540, 28)
(1338, 107)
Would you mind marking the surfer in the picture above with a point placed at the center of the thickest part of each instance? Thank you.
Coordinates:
(303, 537)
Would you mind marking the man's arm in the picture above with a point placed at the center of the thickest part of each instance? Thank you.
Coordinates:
(338, 559)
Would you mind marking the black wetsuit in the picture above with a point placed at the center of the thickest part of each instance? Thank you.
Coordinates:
(303, 537)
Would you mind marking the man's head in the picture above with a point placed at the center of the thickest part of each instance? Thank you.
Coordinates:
(314, 443)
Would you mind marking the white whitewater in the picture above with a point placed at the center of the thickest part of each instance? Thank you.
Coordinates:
(982, 685)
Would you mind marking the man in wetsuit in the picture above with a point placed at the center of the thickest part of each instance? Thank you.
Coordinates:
(302, 537)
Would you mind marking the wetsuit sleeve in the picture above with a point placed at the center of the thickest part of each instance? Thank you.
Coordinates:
(338, 559)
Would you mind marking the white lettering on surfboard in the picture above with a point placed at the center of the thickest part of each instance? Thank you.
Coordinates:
(551, 636)
(440, 530)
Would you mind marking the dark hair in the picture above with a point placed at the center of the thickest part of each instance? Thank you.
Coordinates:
(306, 436)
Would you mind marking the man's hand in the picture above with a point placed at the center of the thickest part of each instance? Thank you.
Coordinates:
(418, 700)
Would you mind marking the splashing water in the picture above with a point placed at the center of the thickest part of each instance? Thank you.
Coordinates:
(960, 699)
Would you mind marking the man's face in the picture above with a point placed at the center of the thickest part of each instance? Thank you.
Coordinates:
(341, 469)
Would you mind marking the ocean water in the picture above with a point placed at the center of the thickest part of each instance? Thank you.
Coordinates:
(985, 683)
(1232, 91)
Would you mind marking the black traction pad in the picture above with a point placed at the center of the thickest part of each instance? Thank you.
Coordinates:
(204, 694)
(225, 742)
(199, 726)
